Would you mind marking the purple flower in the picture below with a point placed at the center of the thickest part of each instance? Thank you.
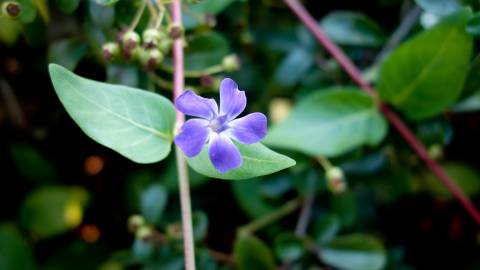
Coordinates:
(217, 128)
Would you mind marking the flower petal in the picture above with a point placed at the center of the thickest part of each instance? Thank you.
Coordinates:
(249, 129)
(192, 104)
(193, 136)
(232, 100)
(223, 154)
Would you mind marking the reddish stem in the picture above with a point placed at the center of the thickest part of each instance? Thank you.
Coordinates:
(392, 117)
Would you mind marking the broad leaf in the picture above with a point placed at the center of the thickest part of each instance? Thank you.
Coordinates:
(329, 123)
(349, 28)
(353, 252)
(251, 253)
(153, 203)
(137, 124)
(258, 160)
(426, 74)
(15, 253)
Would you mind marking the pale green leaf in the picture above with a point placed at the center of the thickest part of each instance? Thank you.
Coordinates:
(329, 123)
(135, 123)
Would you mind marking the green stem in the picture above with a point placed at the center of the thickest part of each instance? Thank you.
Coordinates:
(138, 16)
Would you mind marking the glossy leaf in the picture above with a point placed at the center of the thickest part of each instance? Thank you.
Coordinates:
(153, 202)
(67, 6)
(50, 211)
(329, 123)
(258, 160)
(349, 28)
(251, 253)
(354, 252)
(439, 7)
(426, 74)
(15, 253)
(137, 124)
(67, 52)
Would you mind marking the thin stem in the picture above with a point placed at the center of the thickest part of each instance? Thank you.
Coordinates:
(271, 217)
(401, 127)
(162, 14)
(184, 189)
(137, 17)
(306, 211)
(326, 164)
(153, 12)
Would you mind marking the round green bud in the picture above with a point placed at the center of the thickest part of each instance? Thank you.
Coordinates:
(144, 233)
(11, 9)
(110, 50)
(336, 180)
(165, 45)
(231, 63)
(151, 58)
(435, 151)
(174, 231)
(130, 40)
(135, 222)
(151, 38)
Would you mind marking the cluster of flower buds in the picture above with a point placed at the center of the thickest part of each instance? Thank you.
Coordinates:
(336, 180)
(138, 226)
(11, 9)
(149, 49)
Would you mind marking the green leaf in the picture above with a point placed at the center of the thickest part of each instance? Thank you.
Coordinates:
(32, 165)
(294, 67)
(426, 74)
(247, 194)
(470, 104)
(15, 254)
(473, 25)
(354, 252)
(153, 202)
(67, 52)
(251, 253)
(344, 207)
(349, 28)
(49, 211)
(325, 228)
(439, 7)
(205, 50)
(288, 247)
(329, 123)
(10, 31)
(67, 6)
(200, 225)
(198, 12)
(106, 2)
(135, 123)
(101, 15)
(258, 160)
(472, 82)
(28, 12)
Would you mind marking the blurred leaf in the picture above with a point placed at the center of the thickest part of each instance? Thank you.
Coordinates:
(258, 160)
(123, 74)
(367, 164)
(470, 104)
(288, 247)
(42, 8)
(142, 250)
(169, 177)
(200, 225)
(251, 253)
(435, 132)
(135, 123)
(325, 228)
(294, 67)
(426, 74)
(15, 253)
(10, 31)
(354, 252)
(95, 38)
(67, 6)
(67, 52)
(106, 2)
(154, 200)
(344, 207)
(473, 25)
(101, 15)
(196, 14)
(439, 7)
(349, 28)
(467, 179)
(49, 211)
(472, 83)
(28, 13)
(247, 195)
(329, 123)
(205, 50)
(32, 165)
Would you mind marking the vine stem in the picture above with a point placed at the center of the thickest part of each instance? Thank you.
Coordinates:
(184, 188)
(355, 74)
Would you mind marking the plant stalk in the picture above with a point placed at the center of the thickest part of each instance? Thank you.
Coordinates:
(184, 188)
(355, 74)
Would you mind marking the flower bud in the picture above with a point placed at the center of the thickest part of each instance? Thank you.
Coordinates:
(174, 231)
(435, 152)
(135, 222)
(151, 38)
(165, 45)
(144, 233)
(130, 40)
(110, 50)
(335, 180)
(151, 58)
(231, 63)
(175, 31)
(11, 9)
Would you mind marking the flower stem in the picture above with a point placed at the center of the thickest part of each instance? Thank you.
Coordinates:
(392, 117)
(138, 16)
(184, 189)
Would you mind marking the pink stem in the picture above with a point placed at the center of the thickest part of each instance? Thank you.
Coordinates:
(392, 117)
(184, 187)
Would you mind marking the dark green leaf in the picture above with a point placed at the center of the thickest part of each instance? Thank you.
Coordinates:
(205, 50)
(473, 25)
(200, 225)
(32, 164)
(28, 13)
(258, 160)
(106, 2)
(67, 6)
(325, 228)
(294, 67)
(247, 195)
(349, 28)
(251, 253)
(135, 123)
(344, 207)
(67, 52)
(101, 15)
(15, 254)
(154, 200)
(329, 123)
(288, 247)
(426, 74)
(50, 211)
(354, 252)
